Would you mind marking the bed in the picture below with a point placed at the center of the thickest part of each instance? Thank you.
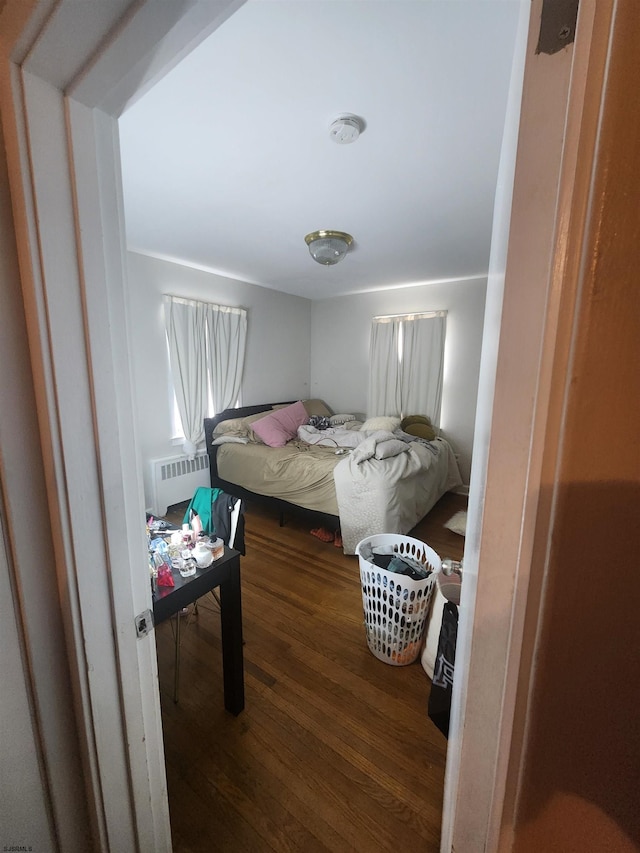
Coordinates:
(361, 481)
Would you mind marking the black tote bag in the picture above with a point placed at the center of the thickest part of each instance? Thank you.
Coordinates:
(442, 684)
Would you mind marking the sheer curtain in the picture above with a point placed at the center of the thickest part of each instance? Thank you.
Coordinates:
(406, 365)
(227, 335)
(422, 366)
(186, 333)
(206, 356)
(384, 367)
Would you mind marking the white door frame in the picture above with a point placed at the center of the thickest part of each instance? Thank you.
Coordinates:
(60, 100)
(66, 76)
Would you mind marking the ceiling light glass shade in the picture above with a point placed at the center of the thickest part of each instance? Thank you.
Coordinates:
(328, 247)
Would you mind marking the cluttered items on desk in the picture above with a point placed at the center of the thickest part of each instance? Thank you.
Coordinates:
(184, 550)
(159, 525)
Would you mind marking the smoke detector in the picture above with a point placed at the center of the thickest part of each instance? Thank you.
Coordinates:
(345, 129)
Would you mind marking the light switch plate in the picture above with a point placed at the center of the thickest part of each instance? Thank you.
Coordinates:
(144, 623)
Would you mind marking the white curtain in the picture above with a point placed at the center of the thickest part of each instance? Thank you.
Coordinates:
(422, 366)
(227, 334)
(384, 368)
(406, 365)
(206, 356)
(186, 333)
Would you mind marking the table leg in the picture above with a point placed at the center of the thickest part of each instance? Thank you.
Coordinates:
(232, 659)
(176, 675)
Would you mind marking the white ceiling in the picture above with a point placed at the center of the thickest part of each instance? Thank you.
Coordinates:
(227, 162)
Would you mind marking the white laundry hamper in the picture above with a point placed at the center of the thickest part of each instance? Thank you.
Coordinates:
(396, 607)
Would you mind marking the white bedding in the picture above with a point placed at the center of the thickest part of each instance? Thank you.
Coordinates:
(393, 494)
(332, 437)
(384, 483)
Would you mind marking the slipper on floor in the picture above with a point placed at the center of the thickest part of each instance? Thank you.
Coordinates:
(322, 534)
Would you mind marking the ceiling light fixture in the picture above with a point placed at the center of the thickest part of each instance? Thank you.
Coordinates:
(328, 247)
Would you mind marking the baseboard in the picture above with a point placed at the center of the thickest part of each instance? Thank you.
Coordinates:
(461, 490)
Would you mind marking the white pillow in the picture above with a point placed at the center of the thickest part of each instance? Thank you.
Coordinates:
(230, 439)
(240, 426)
(387, 423)
(338, 420)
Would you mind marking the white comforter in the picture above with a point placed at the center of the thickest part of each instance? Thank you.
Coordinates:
(332, 437)
(384, 483)
(390, 493)
(378, 443)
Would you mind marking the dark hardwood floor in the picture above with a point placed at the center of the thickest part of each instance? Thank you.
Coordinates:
(334, 750)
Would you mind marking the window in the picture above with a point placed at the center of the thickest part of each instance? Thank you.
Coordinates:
(405, 366)
(206, 356)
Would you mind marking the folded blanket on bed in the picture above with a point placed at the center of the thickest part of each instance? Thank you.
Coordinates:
(379, 445)
(391, 496)
(407, 437)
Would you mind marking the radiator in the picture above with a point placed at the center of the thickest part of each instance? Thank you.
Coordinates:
(175, 479)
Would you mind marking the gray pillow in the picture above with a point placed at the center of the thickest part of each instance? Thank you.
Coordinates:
(338, 420)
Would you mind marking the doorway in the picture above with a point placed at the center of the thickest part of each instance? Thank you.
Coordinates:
(117, 493)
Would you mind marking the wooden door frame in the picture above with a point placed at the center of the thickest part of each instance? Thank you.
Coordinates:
(524, 344)
(60, 102)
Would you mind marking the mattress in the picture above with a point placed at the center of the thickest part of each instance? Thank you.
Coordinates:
(369, 495)
(299, 474)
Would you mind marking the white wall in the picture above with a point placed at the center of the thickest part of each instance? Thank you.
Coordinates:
(340, 350)
(277, 364)
(24, 818)
(297, 348)
(37, 723)
(23, 807)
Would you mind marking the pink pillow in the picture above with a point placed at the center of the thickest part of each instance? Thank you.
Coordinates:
(279, 427)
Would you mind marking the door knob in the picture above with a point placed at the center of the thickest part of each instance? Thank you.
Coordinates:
(451, 567)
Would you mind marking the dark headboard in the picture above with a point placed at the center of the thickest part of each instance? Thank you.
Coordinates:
(243, 412)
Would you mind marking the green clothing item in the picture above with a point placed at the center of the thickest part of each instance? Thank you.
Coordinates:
(201, 504)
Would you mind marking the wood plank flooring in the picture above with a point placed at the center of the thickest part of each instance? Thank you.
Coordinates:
(334, 750)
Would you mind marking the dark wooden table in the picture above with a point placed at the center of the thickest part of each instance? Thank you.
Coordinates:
(223, 573)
